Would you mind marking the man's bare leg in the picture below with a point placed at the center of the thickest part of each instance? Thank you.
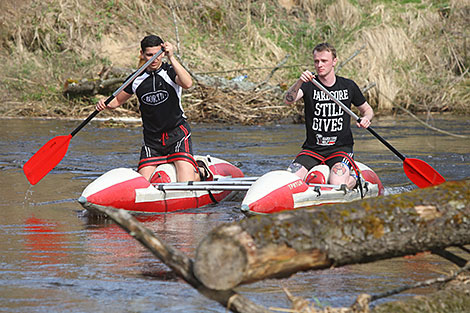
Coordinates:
(147, 171)
(185, 171)
(298, 170)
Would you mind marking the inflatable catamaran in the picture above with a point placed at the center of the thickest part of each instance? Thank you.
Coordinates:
(282, 190)
(124, 188)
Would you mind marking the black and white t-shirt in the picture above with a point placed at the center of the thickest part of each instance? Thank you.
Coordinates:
(160, 101)
(327, 124)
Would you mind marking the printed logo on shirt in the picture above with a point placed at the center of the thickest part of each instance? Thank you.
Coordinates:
(326, 141)
(155, 97)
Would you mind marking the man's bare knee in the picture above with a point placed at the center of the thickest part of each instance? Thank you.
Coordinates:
(147, 171)
(185, 171)
(339, 174)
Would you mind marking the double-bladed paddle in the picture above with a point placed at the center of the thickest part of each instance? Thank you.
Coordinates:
(418, 171)
(43, 161)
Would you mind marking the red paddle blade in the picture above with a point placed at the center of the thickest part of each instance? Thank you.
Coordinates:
(421, 173)
(43, 161)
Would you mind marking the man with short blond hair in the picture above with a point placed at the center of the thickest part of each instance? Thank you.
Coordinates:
(329, 137)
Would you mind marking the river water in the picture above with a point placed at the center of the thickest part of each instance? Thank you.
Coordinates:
(55, 259)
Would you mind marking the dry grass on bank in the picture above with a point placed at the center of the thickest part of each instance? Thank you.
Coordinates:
(416, 54)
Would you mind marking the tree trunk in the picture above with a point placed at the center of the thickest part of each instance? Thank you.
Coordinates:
(281, 244)
(91, 87)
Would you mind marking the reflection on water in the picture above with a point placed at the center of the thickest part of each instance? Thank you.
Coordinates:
(56, 259)
(44, 242)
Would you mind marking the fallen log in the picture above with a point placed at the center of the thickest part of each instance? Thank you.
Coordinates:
(110, 77)
(91, 87)
(278, 245)
(108, 80)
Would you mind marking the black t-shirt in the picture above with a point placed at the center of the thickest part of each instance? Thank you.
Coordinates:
(327, 124)
(160, 101)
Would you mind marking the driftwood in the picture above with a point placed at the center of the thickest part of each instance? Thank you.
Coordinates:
(335, 235)
(454, 297)
(110, 79)
(212, 99)
(91, 87)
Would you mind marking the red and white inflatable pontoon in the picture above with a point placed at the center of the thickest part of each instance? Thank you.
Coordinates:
(282, 190)
(124, 188)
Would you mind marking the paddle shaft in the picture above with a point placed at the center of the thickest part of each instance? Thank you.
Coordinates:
(110, 98)
(358, 119)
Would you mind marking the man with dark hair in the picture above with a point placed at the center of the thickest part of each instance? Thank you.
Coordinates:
(329, 137)
(167, 135)
(150, 41)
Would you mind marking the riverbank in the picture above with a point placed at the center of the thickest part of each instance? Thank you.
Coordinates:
(414, 53)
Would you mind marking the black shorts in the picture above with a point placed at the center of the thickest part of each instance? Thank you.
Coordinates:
(309, 158)
(169, 147)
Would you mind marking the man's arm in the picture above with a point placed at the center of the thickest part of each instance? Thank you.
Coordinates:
(294, 93)
(367, 113)
(117, 101)
(183, 78)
